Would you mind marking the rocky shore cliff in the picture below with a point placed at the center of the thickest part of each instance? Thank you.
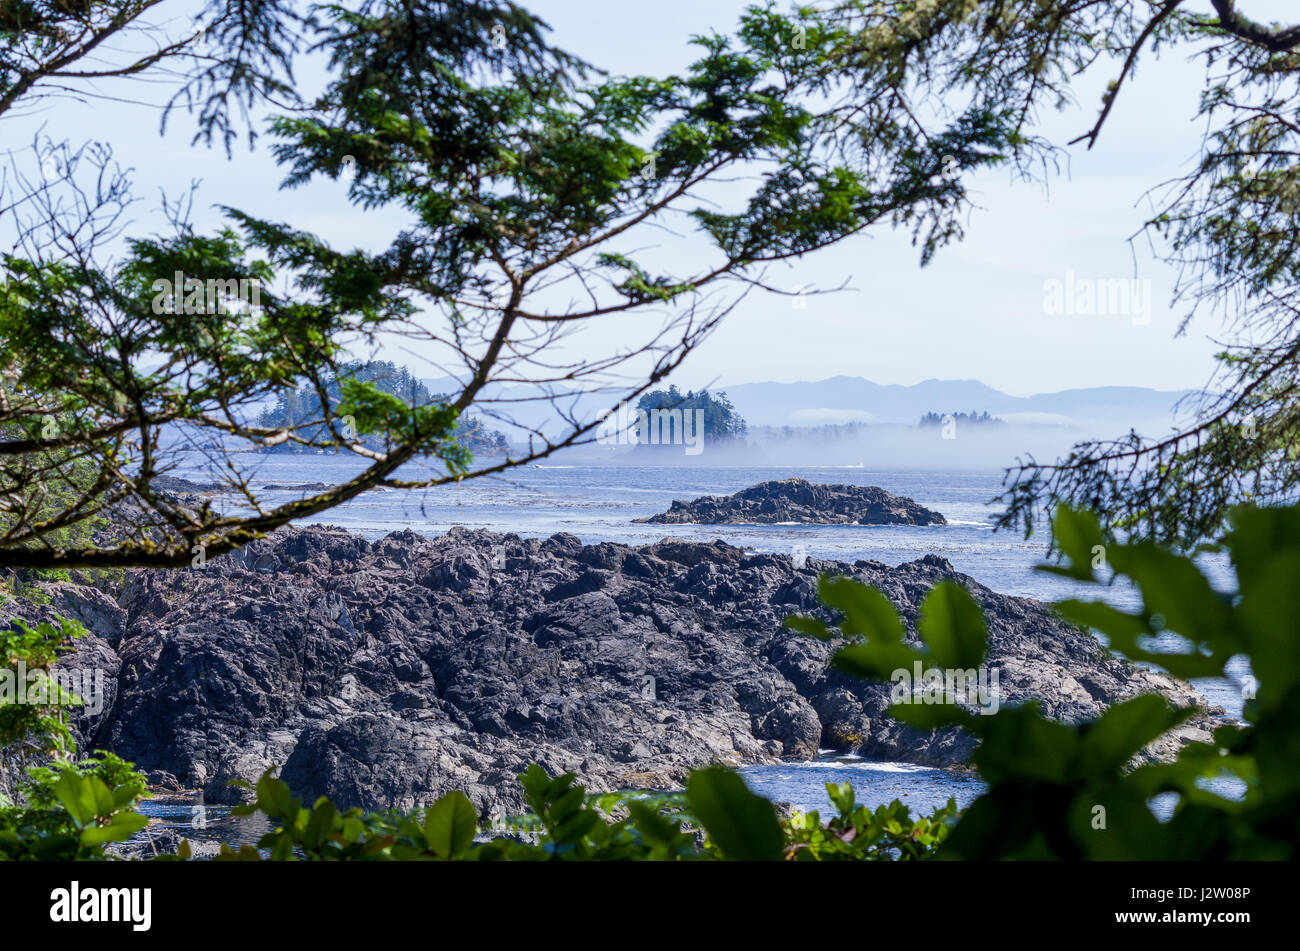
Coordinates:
(386, 673)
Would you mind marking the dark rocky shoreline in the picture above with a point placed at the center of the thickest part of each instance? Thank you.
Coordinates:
(386, 673)
(799, 502)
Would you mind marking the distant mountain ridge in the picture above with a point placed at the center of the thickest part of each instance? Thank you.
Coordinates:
(848, 399)
(845, 399)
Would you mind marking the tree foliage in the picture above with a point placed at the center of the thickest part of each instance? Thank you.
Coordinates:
(300, 409)
(1229, 226)
(1062, 791)
(530, 182)
(53, 807)
(973, 418)
(721, 420)
(233, 54)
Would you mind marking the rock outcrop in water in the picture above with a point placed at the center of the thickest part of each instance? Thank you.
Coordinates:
(173, 485)
(387, 673)
(802, 502)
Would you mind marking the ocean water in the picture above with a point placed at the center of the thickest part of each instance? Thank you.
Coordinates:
(599, 502)
(921, 788)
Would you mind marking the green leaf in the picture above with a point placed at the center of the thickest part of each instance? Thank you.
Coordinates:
(275, 798)
(813, 627)
(841, 796)
(866, 611)
(1110, 742)
(741, 824)
(86, 798)
(450, 825)
(574, 826)
(929, 716)
(321, 824)
(952, 626)
(655, 830)
(1078, 535)
(1119, 627)
(536, 785)
(1019, 744)
(1271, 615)
(121, 828)
(1130, 635)
(1174, 587)
(876, 661)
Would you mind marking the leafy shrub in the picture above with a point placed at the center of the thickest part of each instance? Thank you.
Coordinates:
(61, 810)
(1070, 791)
(34, 727)
(717, 818)
(72, 811)
(886, 833)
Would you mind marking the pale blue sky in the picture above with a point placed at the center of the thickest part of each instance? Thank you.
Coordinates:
(975, 313)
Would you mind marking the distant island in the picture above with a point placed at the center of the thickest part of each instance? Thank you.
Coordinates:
(933, 420)
(798, 501)
(699, 416)
(303, 406)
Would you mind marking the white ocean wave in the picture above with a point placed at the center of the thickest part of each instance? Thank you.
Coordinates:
(858, 763)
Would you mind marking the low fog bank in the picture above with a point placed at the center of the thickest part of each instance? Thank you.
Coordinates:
(871, 447)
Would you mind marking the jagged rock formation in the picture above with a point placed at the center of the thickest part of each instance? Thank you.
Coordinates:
(387, 673)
